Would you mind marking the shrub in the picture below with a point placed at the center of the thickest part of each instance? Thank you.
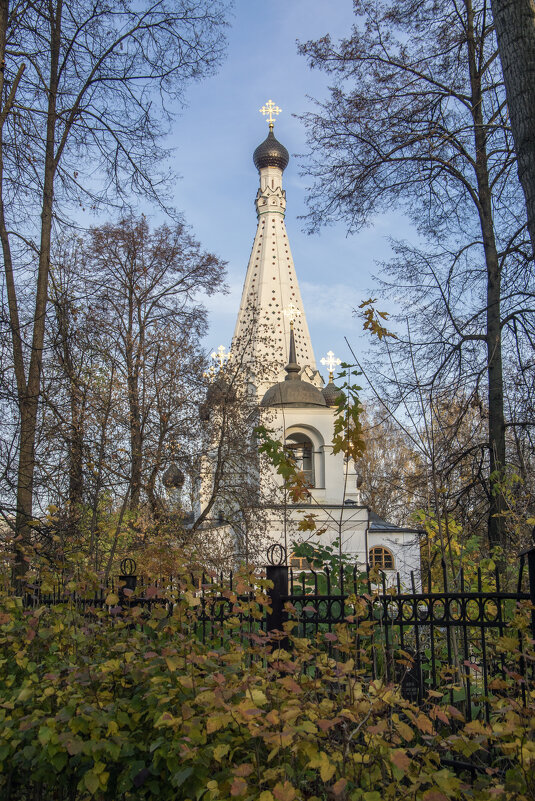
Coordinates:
(115, 704)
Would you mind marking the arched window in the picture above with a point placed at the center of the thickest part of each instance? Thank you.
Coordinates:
(302, 450)
(381, 557)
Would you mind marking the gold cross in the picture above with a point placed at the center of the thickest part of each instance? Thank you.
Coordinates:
(330, 363)
(292, 312)
(221, 356)
(271, 109)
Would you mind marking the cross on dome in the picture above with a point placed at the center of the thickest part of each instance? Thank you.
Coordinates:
(292, 312)
(270, 108)
(330, 362)
(221, 356)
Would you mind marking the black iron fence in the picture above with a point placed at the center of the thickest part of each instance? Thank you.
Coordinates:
(425, 638)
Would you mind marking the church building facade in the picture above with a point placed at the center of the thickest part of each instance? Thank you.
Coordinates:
(272, 349)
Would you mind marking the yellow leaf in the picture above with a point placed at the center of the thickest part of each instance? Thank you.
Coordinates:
(322, 762)
(220, 751)
(192, 599)
(284, 792)
(405, 731)
(216, 722)
(327, 770)
(424, 724)
(172, 663)
(259, 697)
(265, 795)
(112, 599)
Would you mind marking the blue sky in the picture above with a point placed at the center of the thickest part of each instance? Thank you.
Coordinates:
(214, 140)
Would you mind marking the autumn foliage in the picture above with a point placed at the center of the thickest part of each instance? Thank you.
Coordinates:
(123, 704)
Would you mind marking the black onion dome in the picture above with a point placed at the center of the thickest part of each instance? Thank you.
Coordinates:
(293, 391)
(220, 392)
(332, 394)
(173, 478)
(271, 153)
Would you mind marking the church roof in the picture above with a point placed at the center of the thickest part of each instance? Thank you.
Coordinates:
(271, 153)
(293, 391)
(378, 524)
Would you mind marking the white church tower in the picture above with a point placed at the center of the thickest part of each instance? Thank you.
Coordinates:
(271, 299)
(274, 348)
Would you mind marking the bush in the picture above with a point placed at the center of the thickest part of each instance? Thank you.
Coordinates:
(115, 704)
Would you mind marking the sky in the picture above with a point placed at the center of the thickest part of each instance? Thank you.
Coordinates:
(213, 141)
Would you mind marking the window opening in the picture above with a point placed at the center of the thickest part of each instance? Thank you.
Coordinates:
(381, 557)
(300, 447)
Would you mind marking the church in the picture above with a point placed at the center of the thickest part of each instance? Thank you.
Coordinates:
(270, 378)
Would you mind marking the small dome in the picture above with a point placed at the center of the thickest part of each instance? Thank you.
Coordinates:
(220, 392)
(332, 394)
(293, 393)
(173, 478)
(271, 153)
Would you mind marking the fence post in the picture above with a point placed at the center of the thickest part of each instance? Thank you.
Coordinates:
(530, 553)
(128, 581)
(277, 572)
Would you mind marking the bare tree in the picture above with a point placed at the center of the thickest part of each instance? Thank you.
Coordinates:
(417, 119)
(83, 91)
(122, 378)
(145, 285)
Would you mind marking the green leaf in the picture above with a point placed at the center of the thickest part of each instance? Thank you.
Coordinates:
(181, 776)
(91, 782)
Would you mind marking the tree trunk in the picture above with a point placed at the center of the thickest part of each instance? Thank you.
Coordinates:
(496, 526)
(515, 30)
(28, 390)
(133, 363)
(75, 436)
